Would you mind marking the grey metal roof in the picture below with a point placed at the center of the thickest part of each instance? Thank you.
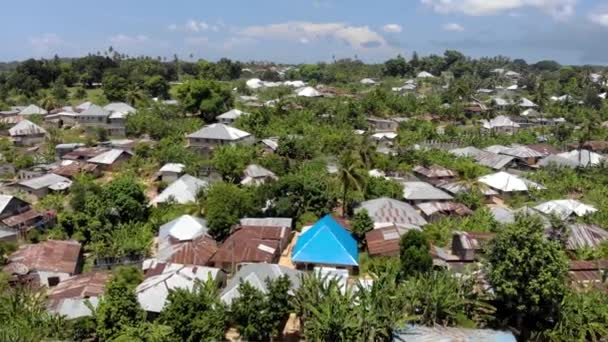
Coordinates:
(554, 160)
(25, 128)
(94, 110)
(183, 190)
(172, 167)
(219, 131)
(32, 110)
(232, 114)
(257, 171)
(256, 274)
(522, 152)
(108, 157)
(119, 107)
(388, 210)
(485, 158)
(413, 191)
(585, 236)
(267, 222)
(44, 181)
(502, 214)
(183, 228)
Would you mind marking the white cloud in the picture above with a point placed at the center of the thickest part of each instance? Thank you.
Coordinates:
(599, 18)
(358, 37)
(194, 26)
(123, 39)
(392, 28)
(453, 27)
(45, 42)
(557, 8)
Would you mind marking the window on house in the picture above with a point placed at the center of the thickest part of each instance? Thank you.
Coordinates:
(53, 281)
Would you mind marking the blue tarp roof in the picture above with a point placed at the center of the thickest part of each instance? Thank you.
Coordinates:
(328, 243)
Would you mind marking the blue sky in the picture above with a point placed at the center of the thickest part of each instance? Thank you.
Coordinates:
(570, 31)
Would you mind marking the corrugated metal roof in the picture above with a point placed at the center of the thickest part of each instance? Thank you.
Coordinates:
(414, 191)
(583, 158)
(267, 222)
(445, 334)
(385, 241)
(565, 208)
(522, 152)
(5, 200)
(256, 275)
(94, 110)
(108, 157)
(232, 114)
(455, 188)
(257, 171)
(119, 107)
(33, 110)
(434, 171)
(585, 236)
(253, 244)
(506, 182)
(219, 131)
(44, 181)
(26, 128)
(448, 208)
(485, 158)
(49, 255)
(152, 293)
(184, 228)
(498, 122)
(68, 298)
(183, 190)
(328, 243)
(388, 210)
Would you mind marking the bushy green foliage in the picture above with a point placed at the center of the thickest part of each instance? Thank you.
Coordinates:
(230, 161)
(207, 98)
(528, 275)
(225, 205)
(415, 254)
(361, 224)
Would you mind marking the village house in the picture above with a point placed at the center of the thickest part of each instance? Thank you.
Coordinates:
(50, 261)
(72, 297)
(325, 244)
(382, 125)
(213, 136)
(185, 240)
(32, 110)
(17, 218)
(467, 245)
(41, 186)
(230, 116)
(109, 160)
(420, 192)
(170, 172)
(162, 278)
(72, 168)
(257, 275)
(434, 174)
(260, 240)
(184, 190)
(385, 241)
(492, 160)
(434, 211)
(27, 133)
(505, 183)
(256, 175)
(386, 211)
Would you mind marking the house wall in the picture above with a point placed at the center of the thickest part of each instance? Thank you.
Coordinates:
(44, 277)
(28, 140)
(206, 146)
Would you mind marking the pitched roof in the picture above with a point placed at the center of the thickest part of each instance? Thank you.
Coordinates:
(554, 160)
(584, 158)
(485, 158)
(522, 152)
(388, 210)
(49, 255)
(152, 293)
(253, 244)
(308, 92)
(69, 296)
(108, 157)
(24, 128)
(183, 190)
(256, 275)
(172, 167)
(328, 243)
(507, 182)
(499, 121)
(414, 191)
(585, 236)
(431, 208)
(184, 228)
(33, 110)
(565, 208)
(5, 201)
(232, 114)
(385, 241)
(434, 171)
(94, 110)
(219, 131)
(45, 181)
(119, 107)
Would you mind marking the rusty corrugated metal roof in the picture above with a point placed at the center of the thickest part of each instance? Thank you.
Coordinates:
(50, 256)
(434, 171)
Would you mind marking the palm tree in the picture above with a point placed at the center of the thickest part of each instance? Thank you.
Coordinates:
(350, 175)
(49, 102)
(133, 95)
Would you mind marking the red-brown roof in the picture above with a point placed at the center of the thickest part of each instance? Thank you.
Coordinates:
(383, 241)
(74, 169)
(16, 220)
(194, 252)
(50, 256)
(84, 153)
(587, 271)
(252, 244)
(545, 149)
(81, 286)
